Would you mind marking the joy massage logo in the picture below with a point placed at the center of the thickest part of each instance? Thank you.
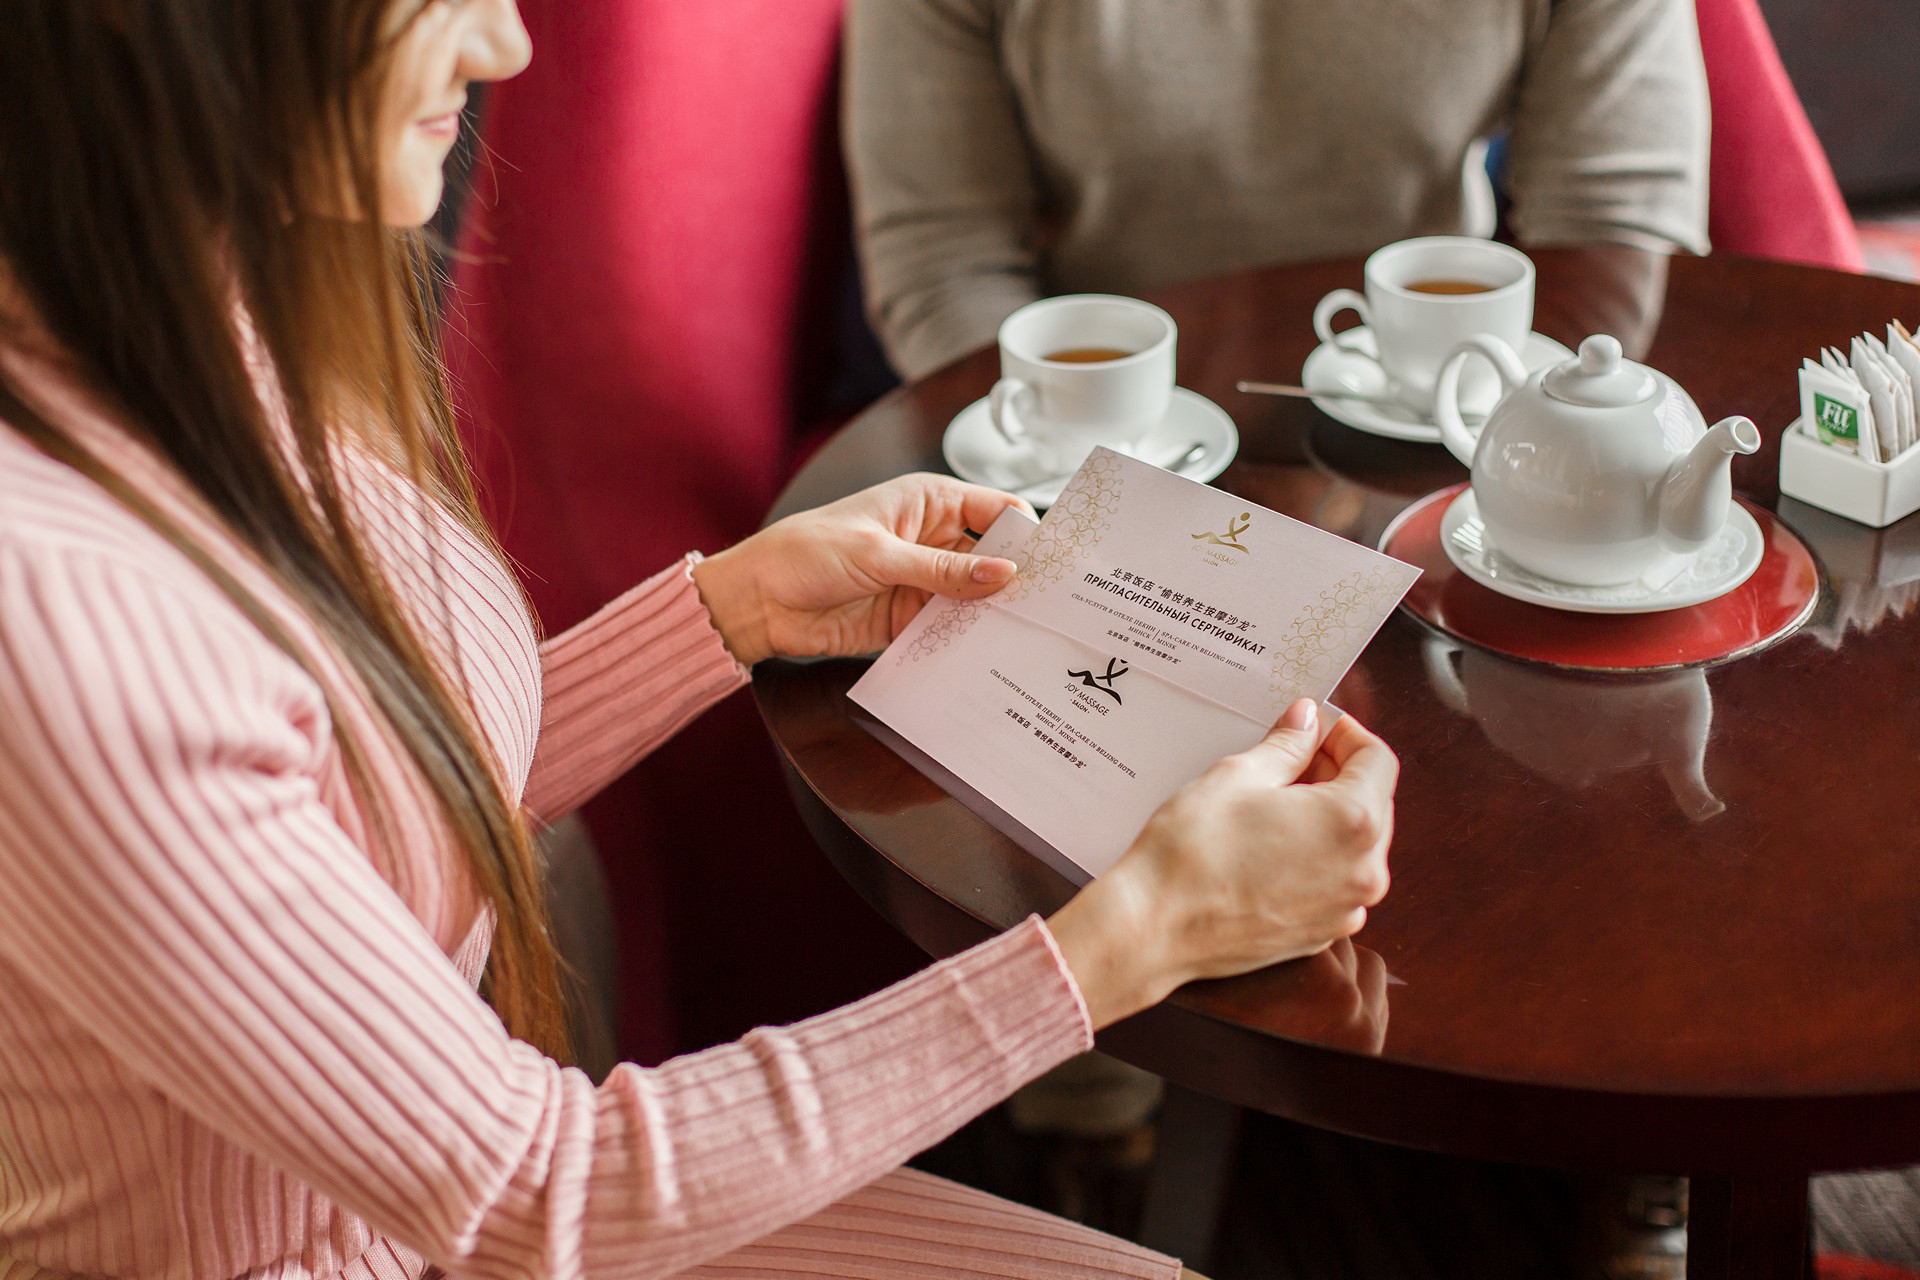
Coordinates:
(1211, 544)
(1115, 669)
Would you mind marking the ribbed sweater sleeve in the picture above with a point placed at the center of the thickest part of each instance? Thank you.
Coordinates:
(619, 684)
(172, 881)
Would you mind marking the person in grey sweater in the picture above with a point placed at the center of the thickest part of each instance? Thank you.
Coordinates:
(1001, 150)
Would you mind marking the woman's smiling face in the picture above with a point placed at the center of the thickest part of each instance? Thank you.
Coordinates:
(440, 48)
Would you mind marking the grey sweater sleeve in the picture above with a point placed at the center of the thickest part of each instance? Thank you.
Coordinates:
(1611, 129)
(944, 193)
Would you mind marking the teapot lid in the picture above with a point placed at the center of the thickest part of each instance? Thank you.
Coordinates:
(1600, 378)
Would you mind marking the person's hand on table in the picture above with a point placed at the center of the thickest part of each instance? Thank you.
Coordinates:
(844, 579)
(1270, 855)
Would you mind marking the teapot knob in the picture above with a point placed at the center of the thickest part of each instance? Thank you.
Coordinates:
(1599, 355)
(1600, 377)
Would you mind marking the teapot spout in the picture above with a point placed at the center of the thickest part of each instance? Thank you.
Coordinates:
(1697, 490)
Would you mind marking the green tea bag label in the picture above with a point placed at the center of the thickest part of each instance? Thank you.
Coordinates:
(1835, 419)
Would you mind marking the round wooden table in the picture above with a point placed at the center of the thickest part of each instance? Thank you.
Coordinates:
(1657, 924)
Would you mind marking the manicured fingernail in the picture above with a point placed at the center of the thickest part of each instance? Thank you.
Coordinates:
(993, 569)
(1301, 716)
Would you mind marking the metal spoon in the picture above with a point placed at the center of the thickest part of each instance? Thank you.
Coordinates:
(1190, 454)
(1304, 393)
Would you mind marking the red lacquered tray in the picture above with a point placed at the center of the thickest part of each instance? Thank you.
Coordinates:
(1766, 608)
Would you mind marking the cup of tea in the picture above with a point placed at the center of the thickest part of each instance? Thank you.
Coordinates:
(1424, 298)
(1082, 370)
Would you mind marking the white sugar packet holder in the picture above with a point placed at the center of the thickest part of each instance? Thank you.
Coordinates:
(1851, 450)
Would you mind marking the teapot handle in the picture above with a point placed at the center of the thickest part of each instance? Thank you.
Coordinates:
(1446, 392)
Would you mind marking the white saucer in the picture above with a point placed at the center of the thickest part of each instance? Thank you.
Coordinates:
(1330, 368)
(977, 452)
(1726, 562)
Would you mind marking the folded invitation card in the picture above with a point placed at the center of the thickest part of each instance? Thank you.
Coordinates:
(1155, 626)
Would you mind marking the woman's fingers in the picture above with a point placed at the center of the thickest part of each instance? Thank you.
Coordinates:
(1345, 737)
(981, 506)
(1320, 769)
(945, 503)
(922, 536)
(1360, 758)
(938, 571)
(1290, 745)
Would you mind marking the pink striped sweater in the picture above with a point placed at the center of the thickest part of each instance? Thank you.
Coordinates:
(238, 1037)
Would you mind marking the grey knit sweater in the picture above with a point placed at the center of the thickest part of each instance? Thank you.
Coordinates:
(1002, 149)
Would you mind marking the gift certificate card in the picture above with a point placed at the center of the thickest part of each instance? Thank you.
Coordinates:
(1156, 625)
(1226, 599)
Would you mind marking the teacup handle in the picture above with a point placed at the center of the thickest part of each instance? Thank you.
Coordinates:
(1332, 305)
(1461, 441)
(1000, 408)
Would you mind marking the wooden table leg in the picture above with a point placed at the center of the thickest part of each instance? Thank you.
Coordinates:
(1747, 1229)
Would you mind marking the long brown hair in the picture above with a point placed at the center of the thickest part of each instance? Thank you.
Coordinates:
(161, 160)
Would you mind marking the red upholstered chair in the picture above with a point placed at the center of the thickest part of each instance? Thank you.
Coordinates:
(623, 336)
(1772, 193)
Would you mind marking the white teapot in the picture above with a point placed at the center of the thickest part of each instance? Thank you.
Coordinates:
(1593, 471)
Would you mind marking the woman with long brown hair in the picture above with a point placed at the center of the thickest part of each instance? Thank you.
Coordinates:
(277, 995)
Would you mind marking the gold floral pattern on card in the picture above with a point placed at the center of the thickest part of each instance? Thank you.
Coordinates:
(1073, 527)
(955, 620)
(1329, 632)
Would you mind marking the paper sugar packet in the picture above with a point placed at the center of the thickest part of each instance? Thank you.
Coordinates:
(1902, 393)
(1879, 387)
(1835, 409)
(1906, 354)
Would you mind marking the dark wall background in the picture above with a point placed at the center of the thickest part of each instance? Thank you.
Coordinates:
(1856, 64)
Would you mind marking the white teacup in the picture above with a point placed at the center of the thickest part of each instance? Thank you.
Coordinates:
(1416, 330)
(1058, 400)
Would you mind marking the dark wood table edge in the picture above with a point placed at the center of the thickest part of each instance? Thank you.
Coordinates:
(1516, 1122)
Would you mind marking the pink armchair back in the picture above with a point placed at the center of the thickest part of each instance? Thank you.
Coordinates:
(1772, 192)
(635, 255)
(622, 336)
